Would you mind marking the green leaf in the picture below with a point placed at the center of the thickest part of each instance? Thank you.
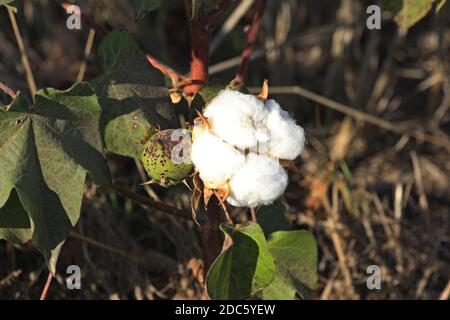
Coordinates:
(143, 7)
(281, 288)
(45, 153)
(15, 224)
(409, 12)
(12, 4)
(295, 255)
(272, 218)
(245, 265)
(132, 95)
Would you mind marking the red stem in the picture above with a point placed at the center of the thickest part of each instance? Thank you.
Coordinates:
(46, 286)
(7, 90)
(200, 58)
(166, 70)
(201, 26)
(251, 37)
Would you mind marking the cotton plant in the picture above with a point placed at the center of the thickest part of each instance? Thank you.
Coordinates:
(237, 143)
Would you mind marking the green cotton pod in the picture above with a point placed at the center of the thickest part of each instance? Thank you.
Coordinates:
(166, 156)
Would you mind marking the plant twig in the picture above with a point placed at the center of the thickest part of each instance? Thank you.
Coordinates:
(174, 76)
(23, 54)
(46, 286)
(149, 203)
(251, 37)
(87, 51)
(7, 90)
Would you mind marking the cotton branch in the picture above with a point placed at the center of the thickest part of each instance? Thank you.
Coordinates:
(201, 26)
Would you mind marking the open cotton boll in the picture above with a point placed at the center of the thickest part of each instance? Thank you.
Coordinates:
(237, 118)
(260, 181)
(215, 160)
(287, 139)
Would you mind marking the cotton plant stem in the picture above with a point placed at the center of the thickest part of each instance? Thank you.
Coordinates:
(201, 25)
(23, 54)
(199, 56)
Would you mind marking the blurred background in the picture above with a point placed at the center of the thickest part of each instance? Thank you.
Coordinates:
(372, 184)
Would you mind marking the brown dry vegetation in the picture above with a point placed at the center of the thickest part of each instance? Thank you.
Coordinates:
(372, 185)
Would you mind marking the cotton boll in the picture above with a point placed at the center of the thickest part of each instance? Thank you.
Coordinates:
(238, 118)
(260, 181)
(215, 160)
(287, 139)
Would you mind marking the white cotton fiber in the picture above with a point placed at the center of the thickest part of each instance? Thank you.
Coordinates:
(215, 160)
(287, 139)
(234, 122)
(237, 118)
(260, 181)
